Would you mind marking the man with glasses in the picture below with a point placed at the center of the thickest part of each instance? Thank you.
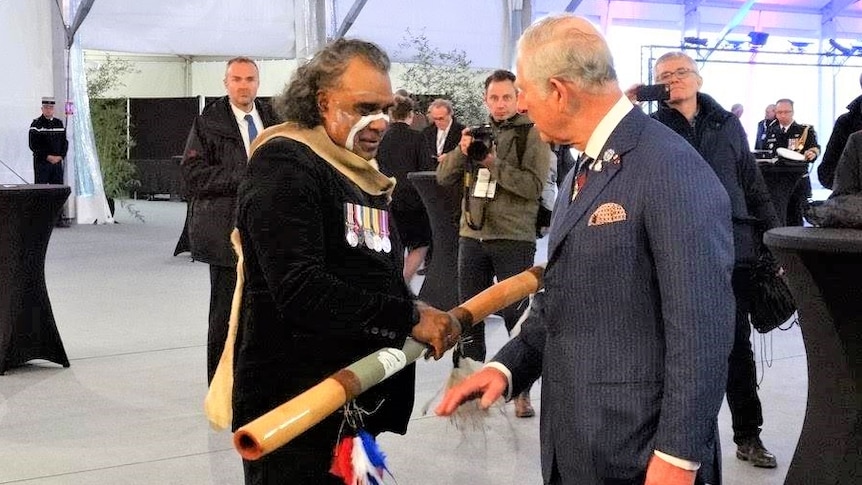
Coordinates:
(800, 138)
(444, 133)
(720, 139)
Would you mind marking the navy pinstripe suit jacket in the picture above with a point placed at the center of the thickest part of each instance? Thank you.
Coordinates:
(638, 316)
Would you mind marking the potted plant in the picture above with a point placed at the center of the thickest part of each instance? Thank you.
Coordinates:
(111, 132)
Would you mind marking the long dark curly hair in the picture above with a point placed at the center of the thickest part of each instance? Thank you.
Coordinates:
(298, 101)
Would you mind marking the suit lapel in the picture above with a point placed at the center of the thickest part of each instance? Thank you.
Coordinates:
(567, 214)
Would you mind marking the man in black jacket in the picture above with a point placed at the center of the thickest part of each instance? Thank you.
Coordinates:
(213, 164)
(48, 144)
(763, 127)
(443, 135)
(400, 153)
(720, 139)
(845, 125)
(787, 133)
(323, 273)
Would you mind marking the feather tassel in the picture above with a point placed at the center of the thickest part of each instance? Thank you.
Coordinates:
(342, 464)
(374, 453)
(362, 467)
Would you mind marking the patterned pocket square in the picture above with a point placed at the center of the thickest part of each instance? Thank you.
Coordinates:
(606, 214)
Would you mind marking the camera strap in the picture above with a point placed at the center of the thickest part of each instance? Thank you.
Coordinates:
(474, 207)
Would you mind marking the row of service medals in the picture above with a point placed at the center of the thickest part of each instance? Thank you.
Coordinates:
(367, 225)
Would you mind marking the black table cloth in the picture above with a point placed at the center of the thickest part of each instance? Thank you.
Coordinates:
(824, 269)
(162, 176)
(443, 204)
(27, 327)
(781, 180)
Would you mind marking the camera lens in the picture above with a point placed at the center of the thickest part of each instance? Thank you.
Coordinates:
(478, 150)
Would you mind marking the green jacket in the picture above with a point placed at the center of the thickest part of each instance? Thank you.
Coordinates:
(511, 214)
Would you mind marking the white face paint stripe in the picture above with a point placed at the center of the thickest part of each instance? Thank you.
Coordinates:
(360, 125)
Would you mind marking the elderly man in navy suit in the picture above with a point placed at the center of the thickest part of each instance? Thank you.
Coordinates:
(638, 316)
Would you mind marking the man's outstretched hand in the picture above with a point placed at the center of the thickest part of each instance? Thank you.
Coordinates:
(660, 472)
(487, 385)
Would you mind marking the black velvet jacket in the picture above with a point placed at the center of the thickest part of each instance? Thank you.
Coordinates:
(312, 303)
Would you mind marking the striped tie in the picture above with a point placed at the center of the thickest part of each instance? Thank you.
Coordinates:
(581, 175)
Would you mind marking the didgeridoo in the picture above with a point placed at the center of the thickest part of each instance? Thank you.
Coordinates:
(289, 420)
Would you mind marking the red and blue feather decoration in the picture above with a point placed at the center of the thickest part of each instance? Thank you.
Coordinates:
(358, 460)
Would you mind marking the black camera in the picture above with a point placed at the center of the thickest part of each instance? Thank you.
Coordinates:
(483, 140)
(653, 92)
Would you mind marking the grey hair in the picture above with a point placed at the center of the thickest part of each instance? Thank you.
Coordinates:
(560, 49)
(669, 56)
(440, 102)
(240, 60)
(298, 101)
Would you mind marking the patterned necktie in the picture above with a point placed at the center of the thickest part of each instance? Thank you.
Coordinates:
(252, 130)
(581, 175)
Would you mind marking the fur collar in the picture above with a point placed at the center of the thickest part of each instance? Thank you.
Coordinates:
(364, 173)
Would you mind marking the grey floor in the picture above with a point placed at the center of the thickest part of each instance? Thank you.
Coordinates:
(129, 409)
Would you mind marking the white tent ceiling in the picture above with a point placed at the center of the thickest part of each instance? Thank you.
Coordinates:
(262, 28)
(485, 29)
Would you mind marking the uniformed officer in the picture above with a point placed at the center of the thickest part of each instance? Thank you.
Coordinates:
(48, 144)
(800, 138)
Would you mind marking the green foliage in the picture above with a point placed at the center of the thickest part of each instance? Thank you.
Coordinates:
(119, 176)
(445, 74)
(107, 75)
(110, 128)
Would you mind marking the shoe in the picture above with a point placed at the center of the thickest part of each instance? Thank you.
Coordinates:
(523, 408)
(753, 451)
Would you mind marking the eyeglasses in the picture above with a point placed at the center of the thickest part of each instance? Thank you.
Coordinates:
(680, 73)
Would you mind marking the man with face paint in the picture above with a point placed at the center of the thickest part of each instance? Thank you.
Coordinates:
(323, 265)
(213, 162)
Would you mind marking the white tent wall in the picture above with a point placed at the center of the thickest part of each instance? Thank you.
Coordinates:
(170, 27)
(26, 41)
(208, 77)
(153, 76)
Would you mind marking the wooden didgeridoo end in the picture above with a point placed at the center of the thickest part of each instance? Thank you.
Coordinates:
(294, 417)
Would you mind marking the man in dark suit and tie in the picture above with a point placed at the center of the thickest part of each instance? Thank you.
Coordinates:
(444, 134)
(213, 164)
(787, 133)
(638, 314)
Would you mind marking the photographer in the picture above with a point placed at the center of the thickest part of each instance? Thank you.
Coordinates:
(503, 167)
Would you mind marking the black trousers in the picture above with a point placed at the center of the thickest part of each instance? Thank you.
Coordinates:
(222, 284)
(478, 263)
(745, 410)
(798, 202)
(47, 173)
(298, 466)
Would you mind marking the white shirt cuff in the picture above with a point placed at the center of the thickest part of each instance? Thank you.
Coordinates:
(678, 462)
(505, 370)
